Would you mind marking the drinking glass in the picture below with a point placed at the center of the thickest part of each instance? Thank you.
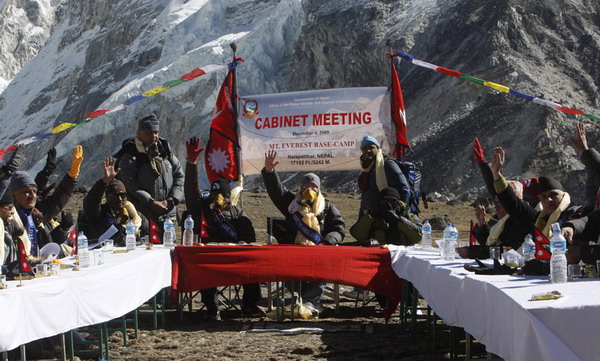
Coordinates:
(495, 253)
(109, 245)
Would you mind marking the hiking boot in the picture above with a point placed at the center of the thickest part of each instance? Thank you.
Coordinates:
(354, 295)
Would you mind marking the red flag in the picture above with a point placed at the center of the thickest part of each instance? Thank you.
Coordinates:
(542, 245)
(472, 239)
(203, 225)
(24, 266)
(220, 156)
(154, 232)
(398, 116)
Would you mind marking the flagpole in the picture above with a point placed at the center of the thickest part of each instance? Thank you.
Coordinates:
(388, 43)
(234, 105)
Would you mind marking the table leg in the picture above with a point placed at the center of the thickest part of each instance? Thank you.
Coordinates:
(468, 339)
(336, 296)
(63, 347)
(23, 353)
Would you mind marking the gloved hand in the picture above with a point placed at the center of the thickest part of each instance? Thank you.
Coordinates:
(77, 159)
(193, 149)
(478, 151)
(390, 216)
(51, 160)
(14, 163)
(66, 220)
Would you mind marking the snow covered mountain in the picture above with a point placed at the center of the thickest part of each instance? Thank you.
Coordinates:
(61, 59)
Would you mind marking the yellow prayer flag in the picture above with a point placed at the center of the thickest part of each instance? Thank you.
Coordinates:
(64, 126)
(496, 86)
(154, 91)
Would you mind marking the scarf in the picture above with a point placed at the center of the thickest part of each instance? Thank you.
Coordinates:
(305, 218)
(380, 177)
(152, 153)
(544, 224)
(24, 237)
(496, 230)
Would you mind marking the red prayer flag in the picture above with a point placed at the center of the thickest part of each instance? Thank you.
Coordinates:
(472, 239)
(24, 266)
(7, 150)
(398, 116)
(220, 156)
(542, 245)
(97, 113)
(154, 232)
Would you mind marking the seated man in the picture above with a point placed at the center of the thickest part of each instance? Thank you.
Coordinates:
(117, 210)
(33, 216)
(310, 218)
(555, 202)
(388, 222)
(225, 223)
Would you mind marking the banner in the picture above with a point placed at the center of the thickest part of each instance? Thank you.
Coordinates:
(313, 130)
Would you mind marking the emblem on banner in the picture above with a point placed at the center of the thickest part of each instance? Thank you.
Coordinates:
(250, 109)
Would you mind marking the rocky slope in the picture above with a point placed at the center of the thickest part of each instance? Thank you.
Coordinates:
(99, 53)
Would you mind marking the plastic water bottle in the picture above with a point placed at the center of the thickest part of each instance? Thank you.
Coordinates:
(130, 236)
(557, 241)
(528, 248)
(82, 251)
(169, 234)
(447, 252)
(558, 267)
(426, 230)
(454, 233)
(188, 231)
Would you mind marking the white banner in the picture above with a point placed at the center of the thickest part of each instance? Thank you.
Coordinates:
(313, 130)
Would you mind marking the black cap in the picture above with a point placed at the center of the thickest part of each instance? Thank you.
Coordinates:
(546, 183)
(221, 186)
(6, 199)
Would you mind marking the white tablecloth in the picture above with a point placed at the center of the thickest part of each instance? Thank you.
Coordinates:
(496, 309)
(52, 305)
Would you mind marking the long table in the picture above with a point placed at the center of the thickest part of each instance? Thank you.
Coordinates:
(49, 306)
(496, 309)
(201, 267)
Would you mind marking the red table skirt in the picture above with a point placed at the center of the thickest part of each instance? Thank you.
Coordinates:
(200, 267)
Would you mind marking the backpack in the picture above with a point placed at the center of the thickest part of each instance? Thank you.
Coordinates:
(412, 172)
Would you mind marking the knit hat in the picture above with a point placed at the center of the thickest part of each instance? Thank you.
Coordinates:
(369, 140)
(547, 183)
(115, 186)
(389, 194)
(148, 123)
(311, 178)
(6, 199)
(20, 180)
(531, 188)
(221, 186)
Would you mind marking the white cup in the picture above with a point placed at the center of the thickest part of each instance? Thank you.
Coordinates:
(40, 270)
(109, 245)
(54, 268)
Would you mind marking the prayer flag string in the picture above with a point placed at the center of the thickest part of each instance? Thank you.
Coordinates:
(496, 86)
(195, 73)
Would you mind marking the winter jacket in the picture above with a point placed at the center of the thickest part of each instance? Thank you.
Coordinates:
(395, 179)
(217, 221)
(398, 226)
(331, 223)
(513, 234)
(101, 216)
(142, 183)
(46, 210)
(521, 210)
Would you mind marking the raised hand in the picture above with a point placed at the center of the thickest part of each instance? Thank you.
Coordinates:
(498, 162)
(193, 149)
(77, 159)
(270, 162)
(480, 215)
(579, 142)
(16, 160)
(51, 159)
(110, 170)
